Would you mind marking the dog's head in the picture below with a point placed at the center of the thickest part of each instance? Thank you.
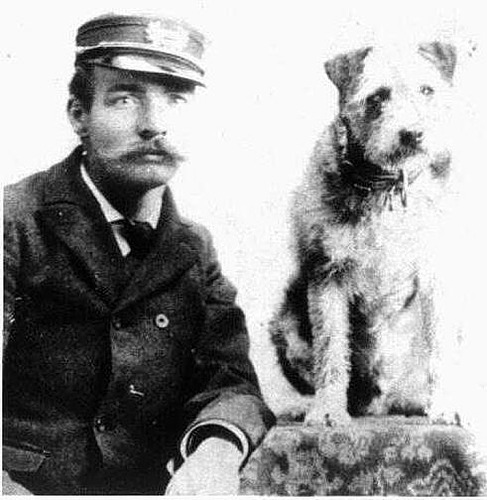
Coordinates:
(394, 103)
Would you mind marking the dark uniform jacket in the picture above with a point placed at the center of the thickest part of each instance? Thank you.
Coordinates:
(107, 364)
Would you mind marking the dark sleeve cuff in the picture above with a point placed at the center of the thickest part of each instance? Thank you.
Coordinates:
(197, 433)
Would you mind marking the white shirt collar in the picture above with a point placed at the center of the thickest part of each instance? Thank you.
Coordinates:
(109, 211)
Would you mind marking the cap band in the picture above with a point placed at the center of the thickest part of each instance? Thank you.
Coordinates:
(146, 44)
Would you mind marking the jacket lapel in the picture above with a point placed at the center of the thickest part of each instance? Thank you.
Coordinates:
(72, 214)
(171, 255)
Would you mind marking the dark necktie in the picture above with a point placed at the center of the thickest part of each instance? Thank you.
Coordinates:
(139, 236)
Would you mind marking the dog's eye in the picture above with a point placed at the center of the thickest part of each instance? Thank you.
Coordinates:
(375, 102)
(426, 90)
(378, 97)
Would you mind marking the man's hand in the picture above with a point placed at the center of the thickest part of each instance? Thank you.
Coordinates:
(10, 487)
(212, 469)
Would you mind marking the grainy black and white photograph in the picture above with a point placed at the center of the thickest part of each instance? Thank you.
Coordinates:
(244, 248)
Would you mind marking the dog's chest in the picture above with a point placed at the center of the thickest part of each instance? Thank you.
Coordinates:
(381, 257)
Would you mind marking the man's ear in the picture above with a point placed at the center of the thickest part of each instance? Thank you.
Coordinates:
(345, 68)
(78, 117)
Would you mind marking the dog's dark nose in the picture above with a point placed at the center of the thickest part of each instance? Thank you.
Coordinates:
(410, 138)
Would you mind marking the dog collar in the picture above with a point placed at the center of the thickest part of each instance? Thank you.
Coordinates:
(373, 179)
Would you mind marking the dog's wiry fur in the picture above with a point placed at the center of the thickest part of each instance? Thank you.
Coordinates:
(363, 326)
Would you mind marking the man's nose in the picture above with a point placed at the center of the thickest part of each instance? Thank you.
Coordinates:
(153, 118)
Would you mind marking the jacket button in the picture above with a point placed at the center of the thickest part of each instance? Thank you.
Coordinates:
(116, 323)
(135, 392)
(161, 320)
(103, 424)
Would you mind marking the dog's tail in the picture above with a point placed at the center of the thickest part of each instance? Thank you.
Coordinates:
(291, 335)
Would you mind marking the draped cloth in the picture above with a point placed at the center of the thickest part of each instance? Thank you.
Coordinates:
(372, 456)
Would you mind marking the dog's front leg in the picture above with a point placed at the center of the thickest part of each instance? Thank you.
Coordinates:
(328, 312)
(442, 329)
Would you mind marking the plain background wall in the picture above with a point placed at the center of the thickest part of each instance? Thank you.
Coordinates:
(268, 98)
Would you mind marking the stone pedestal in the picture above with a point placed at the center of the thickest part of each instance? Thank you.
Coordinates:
(372, 456)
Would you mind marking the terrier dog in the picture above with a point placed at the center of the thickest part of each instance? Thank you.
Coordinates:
(364, 325)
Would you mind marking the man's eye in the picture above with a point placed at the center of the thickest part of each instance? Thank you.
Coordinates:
(123, 100)
(177, 98)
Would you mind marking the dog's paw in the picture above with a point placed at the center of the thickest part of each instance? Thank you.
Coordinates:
(292, 406)
(328, 417)
(439, 414)
(443, 408)
(292, 414)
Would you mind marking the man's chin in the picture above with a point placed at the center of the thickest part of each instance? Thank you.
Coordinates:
(154, 162)
(151, 159)
(140, 173)
(153, 174)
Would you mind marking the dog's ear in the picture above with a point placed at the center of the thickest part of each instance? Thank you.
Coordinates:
(442, 55)
(345, 68)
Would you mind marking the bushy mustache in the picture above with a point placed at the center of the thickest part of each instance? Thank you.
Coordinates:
(156, 147)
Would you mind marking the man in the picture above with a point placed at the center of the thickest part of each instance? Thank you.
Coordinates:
(124, 348)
